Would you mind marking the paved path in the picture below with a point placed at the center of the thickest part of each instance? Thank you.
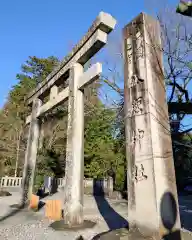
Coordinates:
(107, 214)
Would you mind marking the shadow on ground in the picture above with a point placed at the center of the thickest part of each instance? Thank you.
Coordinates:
(185, 205)
(11, 213)
(112, 234)
(17, 208)
(111, 217)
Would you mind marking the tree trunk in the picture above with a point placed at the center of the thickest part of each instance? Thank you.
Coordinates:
(17, 156)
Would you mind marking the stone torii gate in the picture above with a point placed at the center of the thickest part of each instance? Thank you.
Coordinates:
(70, 68)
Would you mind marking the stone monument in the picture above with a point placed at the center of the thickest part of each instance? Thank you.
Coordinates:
(152, 196)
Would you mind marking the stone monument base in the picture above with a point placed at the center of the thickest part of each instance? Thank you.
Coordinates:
(62, 226)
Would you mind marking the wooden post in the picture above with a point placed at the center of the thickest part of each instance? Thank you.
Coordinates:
(53, 210)
(34, 202)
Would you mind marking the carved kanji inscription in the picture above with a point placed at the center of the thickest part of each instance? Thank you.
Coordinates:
(140, 173)
(137, 136)
(129, 50)
(140, 45)
(134, 80)
(137, 107)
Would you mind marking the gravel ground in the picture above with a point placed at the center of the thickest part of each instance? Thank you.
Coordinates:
(33, 226)
(34, 230)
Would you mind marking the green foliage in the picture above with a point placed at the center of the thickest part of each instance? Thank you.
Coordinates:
(101, 156)
(101, 143)
(13, 114)
(98, 144)
(185, 8)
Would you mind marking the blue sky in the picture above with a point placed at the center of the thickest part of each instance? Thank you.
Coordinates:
(47, 27)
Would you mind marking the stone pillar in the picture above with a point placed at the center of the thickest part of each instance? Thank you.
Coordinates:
(41, 135)
(75, 151)
(110, 186)
(152, 195)
(5, 181)
(53, 93)
(31, 153)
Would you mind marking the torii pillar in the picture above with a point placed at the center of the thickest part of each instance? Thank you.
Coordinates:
(74, 187)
